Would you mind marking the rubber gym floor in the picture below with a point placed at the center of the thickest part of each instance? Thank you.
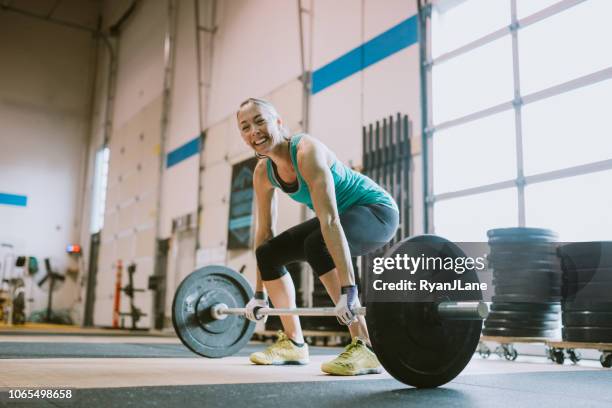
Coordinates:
(127, 369)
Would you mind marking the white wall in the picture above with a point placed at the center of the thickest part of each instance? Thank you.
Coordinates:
(255, 52)
(180, 181)
(45, 92)
(224, 148)
(135, 153)
(389, 86)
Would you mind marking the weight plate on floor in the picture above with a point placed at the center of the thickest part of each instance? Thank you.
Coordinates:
(526, 324)
(588, 334)
(587, 305)
(412, 344)
(550, 307)
(504, 332)
(585, 318)
(191, 316)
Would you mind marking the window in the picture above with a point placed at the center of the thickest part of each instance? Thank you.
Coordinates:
(473, 81)
(99, 189)
(518, 132)
(475, 153)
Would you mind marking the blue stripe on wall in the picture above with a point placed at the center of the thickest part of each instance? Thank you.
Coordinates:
(183, 152)
(391, 41)
(13, 199)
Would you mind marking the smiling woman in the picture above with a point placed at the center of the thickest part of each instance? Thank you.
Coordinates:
(260, 117)
(354, 217)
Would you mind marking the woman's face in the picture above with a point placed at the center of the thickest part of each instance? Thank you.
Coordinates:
(259, 128)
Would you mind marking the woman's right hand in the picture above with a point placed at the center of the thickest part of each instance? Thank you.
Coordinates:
(258, 301)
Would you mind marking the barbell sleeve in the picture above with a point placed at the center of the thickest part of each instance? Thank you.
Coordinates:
(477, 310)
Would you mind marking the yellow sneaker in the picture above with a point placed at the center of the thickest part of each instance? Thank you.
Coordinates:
(356, 359)
(282, 352)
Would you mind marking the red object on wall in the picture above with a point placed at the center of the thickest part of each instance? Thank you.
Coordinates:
(117, 302)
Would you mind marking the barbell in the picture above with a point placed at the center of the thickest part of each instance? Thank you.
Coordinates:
(420, 343)
(445, 310)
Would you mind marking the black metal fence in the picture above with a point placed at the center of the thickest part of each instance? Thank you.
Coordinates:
(387, 161)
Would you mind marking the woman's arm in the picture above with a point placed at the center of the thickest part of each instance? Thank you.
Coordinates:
(266, 211)
(313, 163)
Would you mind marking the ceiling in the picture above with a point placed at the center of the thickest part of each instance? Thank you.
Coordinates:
(83, 13)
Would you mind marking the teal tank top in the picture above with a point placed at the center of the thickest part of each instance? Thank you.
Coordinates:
(352, 188)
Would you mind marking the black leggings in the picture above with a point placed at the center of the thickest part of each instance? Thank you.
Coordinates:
(366, 227)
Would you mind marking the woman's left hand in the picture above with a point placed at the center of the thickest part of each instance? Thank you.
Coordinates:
(345, 307)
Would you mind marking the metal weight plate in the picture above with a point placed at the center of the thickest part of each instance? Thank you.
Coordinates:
(543, 290)
(588, 334)
(586, 318)
(516, 248)
(505, 332)
(523, 316)
(412, 344)
(593, 274)
(526, 298)
(507, 259)
(518, 265)
(526, 324)
(551, 307)
(584, 296)
(593, 248)
(587, 305)
(528, 280)
(191, 316)
(590, 290)
(525, 232)
(586, 262)
(516, 240)
(585, 255)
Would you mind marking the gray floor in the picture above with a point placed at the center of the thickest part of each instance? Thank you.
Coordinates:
(541, 390)
(118, 350)
(589, 388)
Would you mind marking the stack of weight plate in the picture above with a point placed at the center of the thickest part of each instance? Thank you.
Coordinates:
(587, 291)
(527, 283)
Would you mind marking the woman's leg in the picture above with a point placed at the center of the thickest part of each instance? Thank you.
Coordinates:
(282, 294)
(366, 228)
(331, 282)
(272, 256)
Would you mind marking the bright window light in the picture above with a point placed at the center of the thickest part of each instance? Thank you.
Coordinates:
(568, 130)
(468, 218)
(99, 189)
(459, 22)
(473, 81)
(566, 46)
(577, 208)
(475, 153)
(526, 8)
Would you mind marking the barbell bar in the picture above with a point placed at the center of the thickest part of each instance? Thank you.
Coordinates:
(445, 310)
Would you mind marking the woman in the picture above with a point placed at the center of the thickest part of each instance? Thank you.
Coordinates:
(354, 216)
